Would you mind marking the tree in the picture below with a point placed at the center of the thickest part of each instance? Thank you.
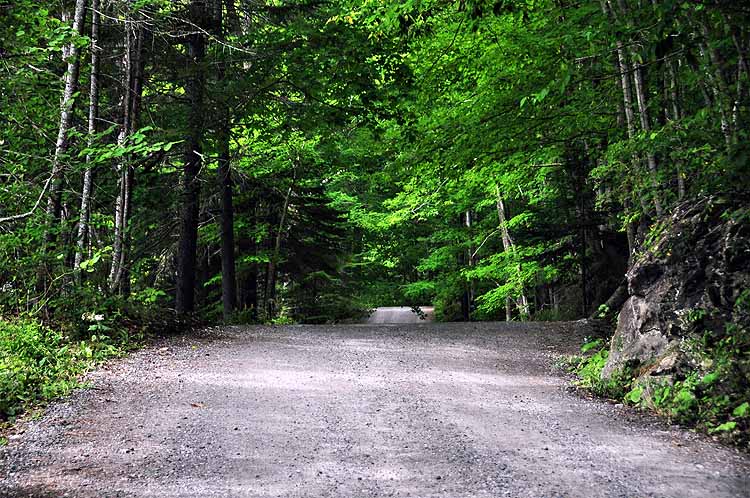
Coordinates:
(195, 42)
(67, 104)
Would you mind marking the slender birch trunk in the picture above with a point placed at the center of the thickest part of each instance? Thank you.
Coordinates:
(273, 261)
(718, 89)
(123, 280)
(627, 92)
(85, 214)
(122, 136)
(743, 72)
(717, 82)
(133, 69)
(509, 246)
(72, 56)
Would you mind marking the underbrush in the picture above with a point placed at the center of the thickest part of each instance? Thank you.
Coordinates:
(711, 393)
(44, 359)
(38, 364)
(588, 366)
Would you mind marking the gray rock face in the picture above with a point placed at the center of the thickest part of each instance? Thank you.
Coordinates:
(685, 284)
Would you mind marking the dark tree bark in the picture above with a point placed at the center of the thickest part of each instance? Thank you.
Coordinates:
(228, 272)
(194, 90)
(228, 268)
(248, 277)
(248, 281)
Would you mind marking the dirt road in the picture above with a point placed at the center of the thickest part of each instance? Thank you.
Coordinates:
(449, 410)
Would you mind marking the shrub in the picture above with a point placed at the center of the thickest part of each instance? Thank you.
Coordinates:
(38, 363)
(35, 364)
(588, 368)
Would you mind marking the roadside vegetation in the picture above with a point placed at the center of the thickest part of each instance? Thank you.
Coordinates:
(711, 395)
(38, 364)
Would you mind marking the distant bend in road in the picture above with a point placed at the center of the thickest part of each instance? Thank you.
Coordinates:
(400, 314)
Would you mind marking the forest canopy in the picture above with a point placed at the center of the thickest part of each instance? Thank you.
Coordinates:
(253, 161)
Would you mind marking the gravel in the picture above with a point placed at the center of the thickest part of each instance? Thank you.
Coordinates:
(420, 410)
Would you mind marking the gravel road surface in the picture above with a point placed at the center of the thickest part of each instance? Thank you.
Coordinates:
(419, 410)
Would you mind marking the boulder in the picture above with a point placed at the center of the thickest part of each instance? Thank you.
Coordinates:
(694, 265)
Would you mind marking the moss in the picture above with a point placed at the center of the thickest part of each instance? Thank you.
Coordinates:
(618, 343)
(712, 394)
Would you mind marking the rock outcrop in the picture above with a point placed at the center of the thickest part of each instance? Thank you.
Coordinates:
(685, 284)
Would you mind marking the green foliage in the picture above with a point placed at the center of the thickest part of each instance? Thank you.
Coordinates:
(479, 158)
(597, 344)
(380, 140)
(588, 366)
(590, 369)
(634, 396)
(150, 296)
(742, 410)
(714, 396)
(38, 364)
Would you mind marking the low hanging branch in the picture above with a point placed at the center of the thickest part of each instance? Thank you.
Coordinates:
(33, 209)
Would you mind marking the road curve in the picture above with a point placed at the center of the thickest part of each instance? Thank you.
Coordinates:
(400, 314)
(435, 410)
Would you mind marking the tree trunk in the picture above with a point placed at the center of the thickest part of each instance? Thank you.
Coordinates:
(228, 269)
(716, 81)
(131, 101)
(71, 53)
(674, 97)
(248, 281)
(85, 214)
(743, 71)
(273, 261)
(228, 276)
(642, 99)
(119, 228)
(188, 243)
(627, 99)
(123, 282)
(627, 92)
(508, 246)
(624, 69)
